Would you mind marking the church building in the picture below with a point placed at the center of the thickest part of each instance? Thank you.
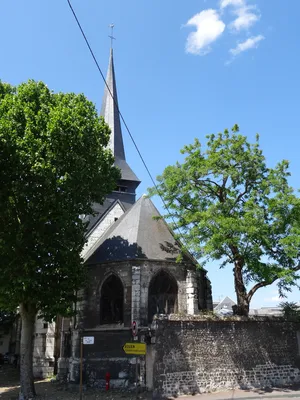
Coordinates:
(133, 276)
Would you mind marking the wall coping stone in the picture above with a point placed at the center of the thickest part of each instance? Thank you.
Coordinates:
(215, 318)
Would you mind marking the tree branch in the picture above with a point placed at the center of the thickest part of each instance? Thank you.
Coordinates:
(225, 179)
(267, 283)
(206, 189)
(210, 181)
(183, 205)
(16, 208)
(243, 193)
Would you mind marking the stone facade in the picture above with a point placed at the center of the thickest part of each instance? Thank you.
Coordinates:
(136, 277)
(44, 350)
(107, 355)
(201, 356)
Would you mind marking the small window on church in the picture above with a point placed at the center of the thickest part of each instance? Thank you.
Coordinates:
(162, 298)
(121, 189)
(111, 301)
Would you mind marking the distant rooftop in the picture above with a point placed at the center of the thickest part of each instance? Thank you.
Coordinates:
(225, 307)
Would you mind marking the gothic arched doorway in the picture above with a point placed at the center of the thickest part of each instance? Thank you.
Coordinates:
(112, 301)
(163, 291)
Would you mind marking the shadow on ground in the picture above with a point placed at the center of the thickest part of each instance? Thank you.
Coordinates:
(268, 390)
(46, 390)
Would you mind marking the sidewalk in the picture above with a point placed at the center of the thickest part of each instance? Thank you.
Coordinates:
(278, 394)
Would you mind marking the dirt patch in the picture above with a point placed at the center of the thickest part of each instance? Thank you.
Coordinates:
(9, 389)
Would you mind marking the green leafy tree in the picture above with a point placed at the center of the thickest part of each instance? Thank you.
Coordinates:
(53, 165)
(230, 207)
(290, 310)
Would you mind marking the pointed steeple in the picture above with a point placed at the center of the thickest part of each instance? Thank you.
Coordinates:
(110, 113)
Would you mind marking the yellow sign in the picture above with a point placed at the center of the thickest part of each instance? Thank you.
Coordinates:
(137, 349)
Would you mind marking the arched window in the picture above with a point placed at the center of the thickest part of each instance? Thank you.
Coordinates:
(112, 301)
(163, 291)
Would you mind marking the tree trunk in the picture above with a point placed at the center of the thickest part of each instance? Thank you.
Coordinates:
(28, 315)
(243, 302)
(241, 292)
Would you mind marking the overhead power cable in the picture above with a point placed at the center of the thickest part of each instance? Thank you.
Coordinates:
(121, 115)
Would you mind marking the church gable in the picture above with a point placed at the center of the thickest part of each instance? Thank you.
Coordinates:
(141, 233)
(110, 217)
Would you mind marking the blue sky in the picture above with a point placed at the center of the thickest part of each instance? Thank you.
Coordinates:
(184, 69)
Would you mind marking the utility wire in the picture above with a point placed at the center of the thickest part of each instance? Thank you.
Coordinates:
(121, 116)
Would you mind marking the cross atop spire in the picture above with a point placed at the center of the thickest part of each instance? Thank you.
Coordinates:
(111, 36)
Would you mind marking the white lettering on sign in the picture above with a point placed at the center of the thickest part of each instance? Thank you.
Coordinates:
(88, 340)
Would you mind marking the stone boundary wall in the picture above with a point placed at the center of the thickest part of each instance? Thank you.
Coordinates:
(203, 356)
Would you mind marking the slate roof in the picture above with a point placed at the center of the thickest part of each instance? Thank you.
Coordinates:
(136, 235)
(126, 171)
(110, 112)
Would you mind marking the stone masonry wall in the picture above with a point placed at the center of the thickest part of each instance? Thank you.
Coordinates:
(44, 348)
(201, 356)
(136, 294)
(148, 269)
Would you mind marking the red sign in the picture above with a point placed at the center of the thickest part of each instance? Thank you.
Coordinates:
(134, 329)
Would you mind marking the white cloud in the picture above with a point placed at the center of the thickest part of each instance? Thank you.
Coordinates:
(246, 45)
(209, 27)
(245, 18)
(234, 3)
(246, 15)
(274, 299)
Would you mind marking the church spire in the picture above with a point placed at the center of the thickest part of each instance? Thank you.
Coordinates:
(110, 112)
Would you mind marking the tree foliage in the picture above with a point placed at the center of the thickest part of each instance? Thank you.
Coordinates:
(229, 206)
(7, 318)
(290, 310)
(53, 165)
